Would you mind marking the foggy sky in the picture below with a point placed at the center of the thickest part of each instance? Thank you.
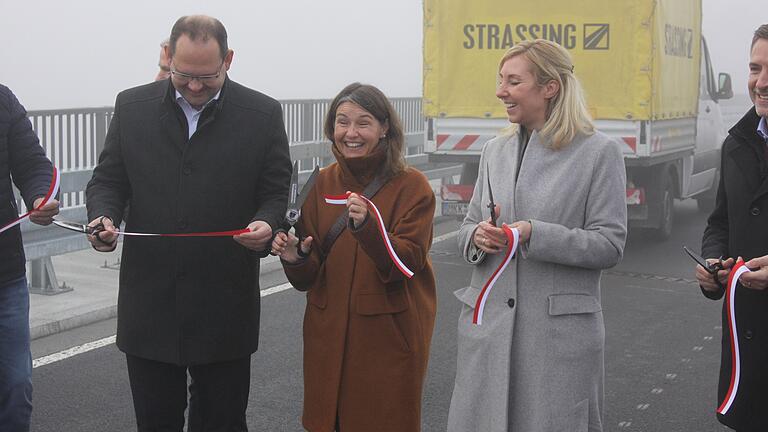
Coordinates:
(82, 53)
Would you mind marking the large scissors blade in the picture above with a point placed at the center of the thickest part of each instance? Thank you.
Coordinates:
(712, 268)
(85, 229)
(307, 187)
(293, 192)
(491, 203)
(296, 201)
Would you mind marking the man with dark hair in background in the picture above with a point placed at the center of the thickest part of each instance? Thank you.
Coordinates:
(738, 228)
(23, 163)
(194, 154)
(164, 62)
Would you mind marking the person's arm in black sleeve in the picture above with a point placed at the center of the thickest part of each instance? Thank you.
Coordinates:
(275, 175)
(108, 189)
(714, 243)
(31, 170)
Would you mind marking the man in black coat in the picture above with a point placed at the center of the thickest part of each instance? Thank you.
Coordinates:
(23, 163)
(738, 228)
(196, 153)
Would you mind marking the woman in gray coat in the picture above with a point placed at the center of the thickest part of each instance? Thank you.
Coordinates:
(536, 361)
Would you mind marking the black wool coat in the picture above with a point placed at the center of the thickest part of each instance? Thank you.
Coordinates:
(190, 300)
(23, 162)
(738, 226)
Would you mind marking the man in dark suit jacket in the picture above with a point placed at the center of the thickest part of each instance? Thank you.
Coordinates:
(23, 163)
(738, 227)
(196, 153)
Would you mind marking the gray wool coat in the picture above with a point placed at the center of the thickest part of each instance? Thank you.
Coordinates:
(536, 364)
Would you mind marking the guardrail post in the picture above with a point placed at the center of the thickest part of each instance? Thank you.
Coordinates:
(100, 118)
(42, 278)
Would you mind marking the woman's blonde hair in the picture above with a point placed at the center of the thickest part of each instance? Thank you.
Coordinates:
(567, 114)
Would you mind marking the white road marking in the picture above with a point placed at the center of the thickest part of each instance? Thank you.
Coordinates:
(67, 353)
(444, 237)
(276, 289)
(71, 352)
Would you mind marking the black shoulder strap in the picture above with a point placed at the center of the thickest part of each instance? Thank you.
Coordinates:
(341, 223)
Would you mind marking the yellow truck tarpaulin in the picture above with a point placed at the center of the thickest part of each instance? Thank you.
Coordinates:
(637, 59)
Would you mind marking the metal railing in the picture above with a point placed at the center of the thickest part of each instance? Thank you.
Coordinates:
(74, 138)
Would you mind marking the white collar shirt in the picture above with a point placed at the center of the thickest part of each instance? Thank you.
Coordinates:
(193, 115)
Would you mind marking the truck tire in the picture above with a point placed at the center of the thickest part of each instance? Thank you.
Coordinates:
(666, 219)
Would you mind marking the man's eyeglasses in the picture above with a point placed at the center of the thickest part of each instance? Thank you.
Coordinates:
(185, 78)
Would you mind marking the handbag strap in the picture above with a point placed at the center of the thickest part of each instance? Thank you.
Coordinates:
(341, 223)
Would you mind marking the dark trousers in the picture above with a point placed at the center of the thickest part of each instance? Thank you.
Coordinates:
(218, 395)
(15, 357)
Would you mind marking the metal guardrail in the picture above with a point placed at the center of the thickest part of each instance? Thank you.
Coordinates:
(74, 138)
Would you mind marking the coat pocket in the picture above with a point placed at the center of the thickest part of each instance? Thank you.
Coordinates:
(385, 312)
(570, 304)
(382, 303)
(468, 295)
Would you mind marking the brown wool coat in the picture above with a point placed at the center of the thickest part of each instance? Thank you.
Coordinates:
(367, 328)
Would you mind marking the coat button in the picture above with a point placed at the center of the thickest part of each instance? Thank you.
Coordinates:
(511, 302)
(187, 170)
(755, 211)
(748, 335)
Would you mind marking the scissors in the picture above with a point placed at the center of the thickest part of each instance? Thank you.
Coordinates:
(94, 230)
(295, 198)
(491, 204)
(712, 268)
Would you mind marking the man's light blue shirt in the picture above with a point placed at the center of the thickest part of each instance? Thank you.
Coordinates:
(193, 115)
(762, 129)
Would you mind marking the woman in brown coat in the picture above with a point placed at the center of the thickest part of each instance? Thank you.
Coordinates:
(367, 325)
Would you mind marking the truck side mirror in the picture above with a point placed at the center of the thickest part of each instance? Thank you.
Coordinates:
(724, 88)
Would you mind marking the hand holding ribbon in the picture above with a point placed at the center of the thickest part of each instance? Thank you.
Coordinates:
(257, 237)
(757, 278)
(357, 209)
(43, 209)
(361, 214)
(512, 240)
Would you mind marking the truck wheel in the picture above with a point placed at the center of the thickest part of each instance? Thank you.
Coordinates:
(706, 201)
(666, 219)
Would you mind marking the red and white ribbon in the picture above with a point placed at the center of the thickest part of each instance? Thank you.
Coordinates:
(196, 234)
(342, 200)
(730, 294)
(52, 191)
(513, 240)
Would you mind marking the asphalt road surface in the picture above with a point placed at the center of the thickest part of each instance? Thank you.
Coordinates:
(662, 350)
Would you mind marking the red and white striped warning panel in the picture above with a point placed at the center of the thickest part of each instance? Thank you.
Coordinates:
(462, 142)
(457, 192)
(631, 143)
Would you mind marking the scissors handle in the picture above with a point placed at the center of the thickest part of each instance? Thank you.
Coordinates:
(492, 208)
